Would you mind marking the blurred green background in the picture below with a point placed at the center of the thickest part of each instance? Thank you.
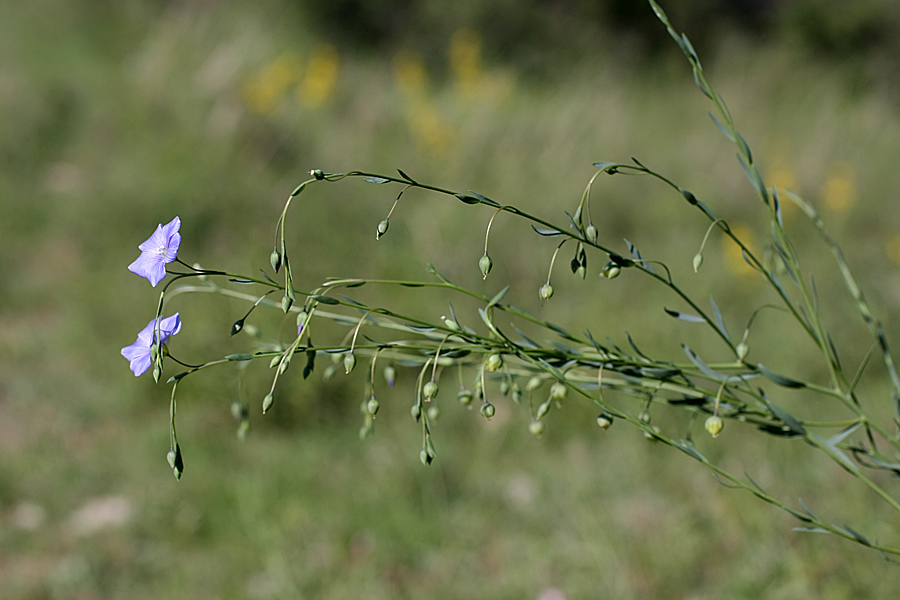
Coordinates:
(117, 116)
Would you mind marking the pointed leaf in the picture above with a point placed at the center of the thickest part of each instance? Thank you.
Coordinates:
(684, 316)
(781, 380)
(547, 232)
(376, 179)
(498, 297)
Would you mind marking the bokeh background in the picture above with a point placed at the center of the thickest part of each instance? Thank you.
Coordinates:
(119, 115)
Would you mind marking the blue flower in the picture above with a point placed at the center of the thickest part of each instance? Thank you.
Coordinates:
(161, 248)
(138, 353)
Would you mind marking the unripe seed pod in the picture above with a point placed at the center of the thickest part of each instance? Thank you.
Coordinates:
(546, 291)
(425, 457)
(430, 390)
(301, 320)
(286, 303)
(611, 270)
(275, 260)
(416, 412)
(536, 428)
(237, 410)
(284, 365)
(465, 397)
(698, 260)
(268, 401)
(433, 413)
(487, 410)
(581, 272)
(591, 233)
(742, 351)
(349, 362)
(493, 362)
(485, 264)
(372, 406)
(170, 457)
(604, 421)
(533, 384)
(390, 375)
(714, 425)
(318, 174)
(382, 229)
(558, 391)
(275, 361)
(504, 387)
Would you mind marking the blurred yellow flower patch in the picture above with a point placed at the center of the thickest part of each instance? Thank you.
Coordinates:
(838, 192)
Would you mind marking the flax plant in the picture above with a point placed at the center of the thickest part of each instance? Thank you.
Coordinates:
(490, 350)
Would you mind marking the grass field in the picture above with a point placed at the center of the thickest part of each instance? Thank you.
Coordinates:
(119, 119)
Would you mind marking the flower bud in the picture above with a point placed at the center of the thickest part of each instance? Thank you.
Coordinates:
(611, 270)
(286, 303)
(485, 265)
(301, 320)
(433, 413)
(430, 390)
(349, 362)
(450, 324)
(742, 351)
(425, 457)
(581, 271)
(487, 410)
(238, 325)
(536, 428)
(504, 387)
(591, 233)
(416, 412)
(558, 391)
(533, 384)
(390, 375)
(157, 371)
(318, 174)
(465, 397)
(542, 410)
(372, 406)
(284, 364)
(493, 362)
(268, 401)
(275, 260)
(546, 291)
(714, 425)
(382, 229)
(274, 362)
(698, 260)
(237, 410)
(604, 421)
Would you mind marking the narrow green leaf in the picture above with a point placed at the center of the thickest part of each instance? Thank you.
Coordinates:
(718, 316)
(684, 316)
(547, 232)
(325, 299)
(781, 380)
(376, 180)
(238, 357)
(609, 167)
(467, 199)
(498, 297)
(724, 131)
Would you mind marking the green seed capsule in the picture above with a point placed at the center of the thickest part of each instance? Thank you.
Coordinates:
(275, 260)
(268, 401)
(558, 391)
(604, 421)
(425, 457)
(349, 362)
(504, 387)
(742, 351)
(465, 397)
(318, 174)
(430, 390)
(390, 375)
(485, 264)
(542, 410)
(546, 291)
(382, 229)
(591, 233)
(533, 384)
(714, 425)
(487, 410)
(611, 270)
(372, 406)
(286, 303)
(416, 412)
(698, 260)
(536, 428)
(433, 413)
(493, 362)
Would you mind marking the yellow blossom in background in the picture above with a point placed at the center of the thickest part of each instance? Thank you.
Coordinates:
(838, 193)
(892, 249)
(264, 91)
(465, 62)
(430, 130)
(409, 73)
(734, 258)
(320, 80)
